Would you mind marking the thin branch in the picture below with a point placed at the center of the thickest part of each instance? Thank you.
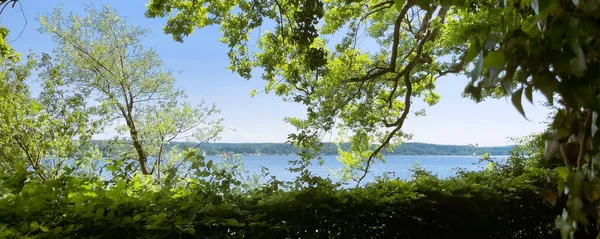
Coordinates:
(6, 3)
(392, 94)
(34, 162)
(377, 7)
(430, 36)
(385, 143)
(396, 40)
(382, 3)
(24, 18)
(79, 48)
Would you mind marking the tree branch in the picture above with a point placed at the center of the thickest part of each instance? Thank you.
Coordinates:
(400, 121)
(34, 162)
(396, 40)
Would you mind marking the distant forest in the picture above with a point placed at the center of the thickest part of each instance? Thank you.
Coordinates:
(331, 149)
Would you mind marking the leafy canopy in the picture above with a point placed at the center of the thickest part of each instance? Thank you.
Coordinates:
(507, 48)
(100, 56)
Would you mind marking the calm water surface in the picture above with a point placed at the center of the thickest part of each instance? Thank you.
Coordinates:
(395, 166)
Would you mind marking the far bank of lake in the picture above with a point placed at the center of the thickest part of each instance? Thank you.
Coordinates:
(395, 166)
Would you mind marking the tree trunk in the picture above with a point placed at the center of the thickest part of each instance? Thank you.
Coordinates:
(142, 158)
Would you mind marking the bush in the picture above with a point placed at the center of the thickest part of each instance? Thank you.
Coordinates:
(470, 205)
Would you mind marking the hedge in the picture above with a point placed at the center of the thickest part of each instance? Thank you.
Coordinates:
(472, 205)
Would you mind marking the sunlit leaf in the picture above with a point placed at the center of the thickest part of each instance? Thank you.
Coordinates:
(563, 172)
(399, 4)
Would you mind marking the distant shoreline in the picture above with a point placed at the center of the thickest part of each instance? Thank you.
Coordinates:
(330, 149)
(439, 155)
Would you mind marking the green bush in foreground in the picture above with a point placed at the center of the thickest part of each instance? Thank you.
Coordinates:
(471, 205)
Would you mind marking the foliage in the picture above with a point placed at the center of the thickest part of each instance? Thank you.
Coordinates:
(101, 58)
(507, 48)
(568, 32)
(205, 200)
(47, 193)
(37, 133)
(215, 205)
(366, 95)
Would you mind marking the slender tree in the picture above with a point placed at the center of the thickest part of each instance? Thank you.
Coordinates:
(101, 55)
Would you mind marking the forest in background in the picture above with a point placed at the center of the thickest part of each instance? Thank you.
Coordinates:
(330, 148)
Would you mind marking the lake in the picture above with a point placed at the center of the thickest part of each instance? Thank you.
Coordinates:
(395, 166)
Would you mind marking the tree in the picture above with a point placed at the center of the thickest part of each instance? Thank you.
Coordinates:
(15, 106)
(42, 135)
(361, 93)
(101, 55)
(509, 48)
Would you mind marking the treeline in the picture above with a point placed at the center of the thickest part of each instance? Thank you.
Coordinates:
(331, 149)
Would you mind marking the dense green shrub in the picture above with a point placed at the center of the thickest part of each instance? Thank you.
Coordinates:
(470, 205)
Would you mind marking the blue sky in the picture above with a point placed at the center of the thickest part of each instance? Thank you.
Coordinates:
(202, 60)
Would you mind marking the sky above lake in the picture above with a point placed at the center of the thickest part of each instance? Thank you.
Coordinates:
(201, 63)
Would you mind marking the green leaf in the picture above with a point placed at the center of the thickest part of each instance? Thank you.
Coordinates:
(494, 59)
(57, 230)
(34, 225)
(563, 172)
(44, 229)
(232, 222)
(547, 84)
(471, 53)
(399, 4)
(257, 217)
(574, 205)
(506, 86)
(110, 215)
(112, 168)
(577, 64)
(424, 4)
(476, 72)
(575, 182)
(136, 218)
(492, 79)
(544, 7)
(516, 100)
(99, 214)
(561, 186)
(529, 93)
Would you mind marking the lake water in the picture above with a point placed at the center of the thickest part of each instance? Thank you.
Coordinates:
(395, 166)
